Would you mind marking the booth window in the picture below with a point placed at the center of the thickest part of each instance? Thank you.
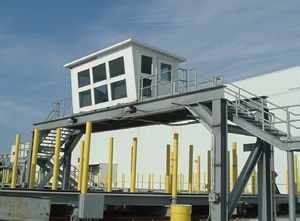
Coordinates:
(85, 98)
(99, 73)
(147, 87)
(165, 70)
(116, 67)
(101, 94)
(146, 65)
(118, 89)
(83, 78)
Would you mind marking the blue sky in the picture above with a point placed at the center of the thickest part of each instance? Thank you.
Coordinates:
(237, 39)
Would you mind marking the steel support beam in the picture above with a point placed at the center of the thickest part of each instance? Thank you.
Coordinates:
(265, 185)
(291, 178)
(219, 194)
(28, 161)
(242, 181)
(66, 172)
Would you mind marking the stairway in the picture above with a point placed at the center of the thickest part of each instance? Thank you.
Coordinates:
(256, 116)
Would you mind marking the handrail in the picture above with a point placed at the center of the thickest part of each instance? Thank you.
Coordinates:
(61, 108)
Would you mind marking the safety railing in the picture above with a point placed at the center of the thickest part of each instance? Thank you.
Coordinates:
(62, 108)
(268, 113)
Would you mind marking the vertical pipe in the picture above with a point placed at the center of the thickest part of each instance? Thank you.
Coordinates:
(105, 181)
(228, 172)
(110, 164)
(167, 177)
(133, 165)
(7, 176)
(198, 172)
(234, 164)
(98, 180)
(175, 167)
(90, 179)
(56, 159)
(160, 181)
(15, 168)
(142, 182)
(190, 190)
(292, 200)
(34, 158)
(253, 182)
(4, 176)
(81, 166)
(209, 171)
(123, 180)
(204, 182)
(115, 183)
(21, 177)
(149, 181)
(296, 174)
(194, 184)
(86, 159)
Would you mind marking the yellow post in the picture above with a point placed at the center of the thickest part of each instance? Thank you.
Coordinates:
(296, 174)
(194, 181)
(228, 172)
(98, 179)
(246, 189)
(133, 165)
(152, 181)
(204, 182)
(198, 172)
(171, 171)
(175, 168)
(208, 171)
(142, 182)
(21, 177)
(123, 180)
(167, 177)
(86, 158)
(7, 176)
(34, 158)
(234, 164)
(160, 181)
(110, 164)
(81, 166)
(15, 168)
(180, 182)
(116, 184)
(253, 183)
(105, 181)
(4, 176)
(149, 181)
(190, 188)
(56, 160)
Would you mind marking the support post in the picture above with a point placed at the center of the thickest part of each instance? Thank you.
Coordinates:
(209, 171)
(167, 177)
(34, 158)
(291, 186)
(234, 167)
(15, 167)
(110, 164)
(190, 189)
(133, 165)
(56, 160)
(88, 132)
(219, 196)
(67, 170)
(198, 174)
(81, 166)
(296, 174)
(175, 168)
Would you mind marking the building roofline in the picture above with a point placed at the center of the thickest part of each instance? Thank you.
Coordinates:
(119, 45)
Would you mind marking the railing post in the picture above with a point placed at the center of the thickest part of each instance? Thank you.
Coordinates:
(141, 89)
(263, 114)
(288, 128)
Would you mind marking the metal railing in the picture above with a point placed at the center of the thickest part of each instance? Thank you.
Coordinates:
(61, 108)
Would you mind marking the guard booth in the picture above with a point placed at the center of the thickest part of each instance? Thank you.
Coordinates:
(126, 72)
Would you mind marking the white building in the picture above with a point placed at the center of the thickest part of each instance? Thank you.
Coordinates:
(113, 75)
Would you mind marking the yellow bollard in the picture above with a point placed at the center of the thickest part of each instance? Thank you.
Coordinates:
(7, 176)
(90, 178)
(34, 158)
(180, 212)
(98, 179)
(209, 171)
(81, 166)
(194, 181)
(149, 182)
(4, 176)
(15, 167)
(204, 182)
(253, 182)
(142, 182)
(105, 181)
(234, 164)
(116, 183)
(86, 157)
(198, 172)
(228, 172)
(123, 180)
(110, 164)
(175, 168)
(296, 174)
(190, 187)
(56, 159)
(152, 181)
(133, 165)
(167, 177)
